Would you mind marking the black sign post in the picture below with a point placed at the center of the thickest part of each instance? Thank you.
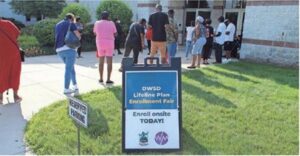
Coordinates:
(151, 110)
(78, 111)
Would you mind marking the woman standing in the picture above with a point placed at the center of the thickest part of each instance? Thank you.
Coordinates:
(149, 38)
(209, 41)
(105, 31)
(10, 61)
(200, 40)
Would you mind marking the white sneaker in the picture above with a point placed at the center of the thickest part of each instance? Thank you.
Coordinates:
(224, 61)
(68, 91)
(75, 88)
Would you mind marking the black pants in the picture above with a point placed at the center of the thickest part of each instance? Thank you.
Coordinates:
(79, 49)
(136, 51)
(218, 52)
(149, 45)
(206, 50)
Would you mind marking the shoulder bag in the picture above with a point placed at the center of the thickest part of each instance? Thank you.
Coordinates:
(71, 40)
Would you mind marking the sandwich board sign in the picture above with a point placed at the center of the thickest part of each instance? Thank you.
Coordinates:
(151, 108)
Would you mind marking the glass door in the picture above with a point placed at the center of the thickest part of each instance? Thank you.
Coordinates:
(237, 15)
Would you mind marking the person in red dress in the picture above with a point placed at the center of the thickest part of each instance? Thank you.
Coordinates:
(10, 60)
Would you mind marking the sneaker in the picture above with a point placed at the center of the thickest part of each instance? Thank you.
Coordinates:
(109, 82)
(68, 91)
(75, 88)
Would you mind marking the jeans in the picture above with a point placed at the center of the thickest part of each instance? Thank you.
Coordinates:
(69, 57)
(172, 47)
(188, 48)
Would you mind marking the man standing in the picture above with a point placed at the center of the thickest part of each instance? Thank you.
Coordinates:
(135, 40)
(158, 21)
(172, 35)
(220, 37)
(229, 37)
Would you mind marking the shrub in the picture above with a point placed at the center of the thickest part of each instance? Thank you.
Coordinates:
(88, 38)
(77, 10)
(28, 30)
(30, 45)
(27, 41)
(44, 31)
(116, 9)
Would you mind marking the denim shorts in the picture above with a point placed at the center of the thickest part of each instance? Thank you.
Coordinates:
(198, 46)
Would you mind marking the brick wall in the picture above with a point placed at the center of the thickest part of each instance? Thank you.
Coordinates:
(271, 32)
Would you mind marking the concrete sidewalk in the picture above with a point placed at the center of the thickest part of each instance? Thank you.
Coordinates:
(42, 84)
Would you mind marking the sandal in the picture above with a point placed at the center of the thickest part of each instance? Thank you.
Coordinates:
(109, 82)
(100, 81)
(191, 67)
(18, 99)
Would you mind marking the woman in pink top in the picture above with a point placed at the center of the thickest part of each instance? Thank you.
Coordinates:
(105, 31)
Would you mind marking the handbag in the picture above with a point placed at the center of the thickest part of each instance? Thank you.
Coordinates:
(21, 51)
(71, 40)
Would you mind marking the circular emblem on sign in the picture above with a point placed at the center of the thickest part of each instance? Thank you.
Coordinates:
(161, 138)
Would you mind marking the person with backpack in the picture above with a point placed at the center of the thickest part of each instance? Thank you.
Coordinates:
(199, 41)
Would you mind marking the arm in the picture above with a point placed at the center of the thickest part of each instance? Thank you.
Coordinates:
(77, 33)
(142, 40)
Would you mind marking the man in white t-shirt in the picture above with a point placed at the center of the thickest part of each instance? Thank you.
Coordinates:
(219, 39)
(229, 37)
(189, 39)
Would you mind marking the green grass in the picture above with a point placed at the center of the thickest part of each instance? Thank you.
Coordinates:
(238, 108)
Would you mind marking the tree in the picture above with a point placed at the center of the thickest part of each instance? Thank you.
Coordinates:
(77, 10)
(39, 9)
(117, 9)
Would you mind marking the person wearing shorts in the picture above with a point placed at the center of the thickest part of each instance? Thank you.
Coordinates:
(158, 21)
(229, 37)
(105, 31)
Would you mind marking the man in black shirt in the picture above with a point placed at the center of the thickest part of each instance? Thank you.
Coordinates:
(135, 40)
(159, 21)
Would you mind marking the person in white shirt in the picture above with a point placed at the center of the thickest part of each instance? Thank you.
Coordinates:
(189, 39)
(219, 39)
(229, 37)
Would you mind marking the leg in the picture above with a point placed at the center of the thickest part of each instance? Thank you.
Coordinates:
(1, 98)
(154, 49)
(101, 65)
(109, 67)
(187, 48)
(198, 60)
(17, 98)
(73, 73)
(64, 57)
(162, 47)
(70, 56)
(128, 49)
(135, 54)
(149, 46)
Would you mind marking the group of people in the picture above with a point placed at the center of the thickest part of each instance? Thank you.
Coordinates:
(161, 34)
(201, 39)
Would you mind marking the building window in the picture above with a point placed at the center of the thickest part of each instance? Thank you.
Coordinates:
(199, 3)
(235, 4)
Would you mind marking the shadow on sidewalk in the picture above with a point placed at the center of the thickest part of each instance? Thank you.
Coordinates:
(12, 128)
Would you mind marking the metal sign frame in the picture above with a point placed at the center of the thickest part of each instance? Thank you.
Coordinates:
(129, 66)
